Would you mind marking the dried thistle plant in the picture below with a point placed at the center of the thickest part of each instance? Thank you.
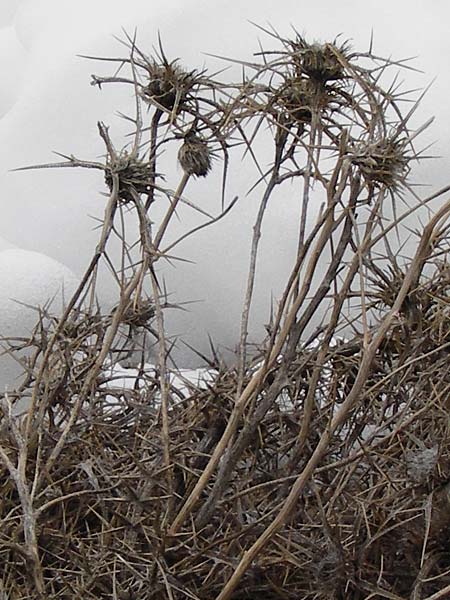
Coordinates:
(139, 314)
(135, 175)
(282, 474)
(168, 85)
(320, 62)
(194, 156)
(384, 162)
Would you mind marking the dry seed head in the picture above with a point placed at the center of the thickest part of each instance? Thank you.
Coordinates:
(168, 85)
(300, 97)
(134, 175)
(139, 314)
(388, 289)
(383, 162)
(195, 156)
(319, 61)
(81, 325)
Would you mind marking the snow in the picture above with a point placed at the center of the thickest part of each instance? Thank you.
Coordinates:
(32, 278)
(183, 380)
(28, 279)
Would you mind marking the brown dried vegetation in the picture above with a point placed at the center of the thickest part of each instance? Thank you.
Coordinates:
(317, 467)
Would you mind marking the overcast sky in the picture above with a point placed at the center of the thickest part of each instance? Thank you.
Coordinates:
(47, 104)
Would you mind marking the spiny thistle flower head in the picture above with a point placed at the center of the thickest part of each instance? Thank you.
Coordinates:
(194, 156)
(168, 85)
(81, 324)
(383, 162)
(134, 175)
(388, 287)
(299, 97)
(320, 62)
(138, 314)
